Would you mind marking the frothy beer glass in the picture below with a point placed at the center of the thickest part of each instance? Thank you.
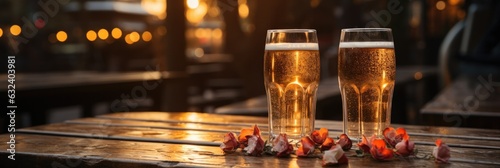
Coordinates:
(291, 76)
(367, 68)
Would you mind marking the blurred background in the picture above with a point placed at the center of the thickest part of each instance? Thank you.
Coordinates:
(81, 58)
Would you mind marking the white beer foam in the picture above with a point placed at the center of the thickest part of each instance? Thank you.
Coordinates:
(292, 46)
(366, 44)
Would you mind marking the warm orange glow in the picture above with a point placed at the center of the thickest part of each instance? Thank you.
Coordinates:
(155, 7)
(103, 34)
(91, 35)
(127, 39)
(195, 15)
(134, 37)
(147, 36)
(217, 33)
(418, 75)
(440, 5)
(243, 10)
(116, 33)
(15, 30)
(454, 2)
(315, 3)
(61, 36)
(192, 4)
(1, 32)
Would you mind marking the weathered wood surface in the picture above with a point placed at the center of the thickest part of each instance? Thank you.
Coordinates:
(470, 101)
(159, 139)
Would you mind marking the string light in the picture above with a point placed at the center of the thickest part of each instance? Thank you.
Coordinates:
(61, 36)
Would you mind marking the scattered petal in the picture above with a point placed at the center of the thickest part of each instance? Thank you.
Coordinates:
(405, 147)
(345, 142)
(441, 152)
(327, 144)
(306, 148)
(379, 150)
(245, 132)
(230, 143)
(281, 146)
(334, 156)
(319, 136)
(394, 136)
(255, 145)
(366, 144)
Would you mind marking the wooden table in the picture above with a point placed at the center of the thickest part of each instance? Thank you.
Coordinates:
(470, 101)
(161, 139)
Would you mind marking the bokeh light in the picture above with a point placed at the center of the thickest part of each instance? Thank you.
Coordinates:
(15, 30)
(103, 34)
(147, 36)
(61, 36)
(91, 35)
(116, 33)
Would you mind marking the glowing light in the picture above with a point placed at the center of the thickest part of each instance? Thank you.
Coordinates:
(103, 34)
(134, 37)
(1, 32)
(61, 36)
(91, 35)
(147, 36)
(440, 5)
(199, 33)
(116, 33)
(217, 33)
(127, 39)
(15, 30)
(155, 7)
(192, 4)
(453, 2)
(418, 75)
(198, 52)
(196, 15)
(243, 11)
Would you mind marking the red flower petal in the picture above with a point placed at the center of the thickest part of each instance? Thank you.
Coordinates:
(366, 144)
(345, 142)
(334, 156)
(327, 144)
(230, 143)
(306, 148)
(319, 136)
(394, 136)
(281, 146)
(441, 152)
(379, 151)
(255, 145)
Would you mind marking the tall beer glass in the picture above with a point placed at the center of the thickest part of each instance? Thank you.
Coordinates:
(291, 76)
(367, 68)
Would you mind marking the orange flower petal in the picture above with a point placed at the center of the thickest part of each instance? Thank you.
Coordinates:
(379, 150)
(319, 136)
(327, 144)
(306, 148)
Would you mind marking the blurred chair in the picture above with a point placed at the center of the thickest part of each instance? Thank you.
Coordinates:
(461, 40)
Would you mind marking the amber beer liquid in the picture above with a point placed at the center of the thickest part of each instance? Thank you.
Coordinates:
(366, 80)
(291, 76)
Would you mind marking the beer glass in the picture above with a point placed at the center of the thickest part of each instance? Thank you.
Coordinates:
(367, 68)
(291, 77)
